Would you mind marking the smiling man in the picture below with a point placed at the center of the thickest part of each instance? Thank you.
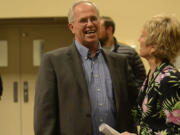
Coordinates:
(81, 86)
(84, 24)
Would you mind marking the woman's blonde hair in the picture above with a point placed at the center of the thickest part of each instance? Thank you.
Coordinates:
(163, 31)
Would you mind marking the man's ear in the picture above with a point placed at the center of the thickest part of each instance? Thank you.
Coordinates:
(71, 27)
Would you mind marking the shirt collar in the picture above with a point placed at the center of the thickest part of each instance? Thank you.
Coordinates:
(84, 51)
(111, 48)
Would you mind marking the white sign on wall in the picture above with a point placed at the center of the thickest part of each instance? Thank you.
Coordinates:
(3, 53)
(38, 49)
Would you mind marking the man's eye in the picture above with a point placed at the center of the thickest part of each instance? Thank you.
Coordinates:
(94, 19)
(83, 21)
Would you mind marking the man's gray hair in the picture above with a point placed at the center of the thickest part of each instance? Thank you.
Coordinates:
(71, 10)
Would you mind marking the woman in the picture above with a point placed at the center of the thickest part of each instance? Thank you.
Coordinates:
(158, 110)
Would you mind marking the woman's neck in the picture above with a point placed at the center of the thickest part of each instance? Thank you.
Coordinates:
(153, 63)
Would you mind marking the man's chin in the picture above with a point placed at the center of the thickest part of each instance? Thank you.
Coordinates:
(91, 42)
(95, 40)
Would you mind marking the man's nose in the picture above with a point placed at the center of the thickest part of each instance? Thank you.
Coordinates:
(89, 23)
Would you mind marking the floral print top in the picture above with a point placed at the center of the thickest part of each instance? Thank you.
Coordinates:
(158, 110)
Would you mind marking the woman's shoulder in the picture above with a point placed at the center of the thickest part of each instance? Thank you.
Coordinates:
(169, 79)
(168, 73)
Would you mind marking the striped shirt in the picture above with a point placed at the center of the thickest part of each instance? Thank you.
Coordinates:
(99, 87)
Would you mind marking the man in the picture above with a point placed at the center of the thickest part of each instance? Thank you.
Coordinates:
(81, 86)
(107, 29)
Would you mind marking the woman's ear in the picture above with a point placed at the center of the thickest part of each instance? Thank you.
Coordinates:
(153, 48)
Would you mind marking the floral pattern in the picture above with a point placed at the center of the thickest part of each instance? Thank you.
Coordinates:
(144, 105)
(158, 110)
(173, 116)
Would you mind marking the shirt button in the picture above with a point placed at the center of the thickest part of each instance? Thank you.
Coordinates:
(98, 90)
(96, 75)
(93, 62)
(100, 104)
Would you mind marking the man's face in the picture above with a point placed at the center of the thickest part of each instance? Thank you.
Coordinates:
(86, 24)
(103, 35)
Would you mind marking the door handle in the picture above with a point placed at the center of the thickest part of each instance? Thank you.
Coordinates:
(26, 98)
(15, 91)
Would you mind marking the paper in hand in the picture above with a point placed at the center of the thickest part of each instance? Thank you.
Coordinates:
(107, 130)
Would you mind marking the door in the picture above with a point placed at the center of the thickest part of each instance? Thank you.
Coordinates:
(20, 75)
(10, 110)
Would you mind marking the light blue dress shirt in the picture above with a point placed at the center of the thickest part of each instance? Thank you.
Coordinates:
(99, 87)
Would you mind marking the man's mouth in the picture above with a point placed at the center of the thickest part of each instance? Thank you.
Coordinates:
(90, 32)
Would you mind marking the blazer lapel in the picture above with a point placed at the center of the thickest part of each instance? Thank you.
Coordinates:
(76, 65)
(79, 77)
(111, 63)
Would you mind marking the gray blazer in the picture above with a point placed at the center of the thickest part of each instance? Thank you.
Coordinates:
(62, 105)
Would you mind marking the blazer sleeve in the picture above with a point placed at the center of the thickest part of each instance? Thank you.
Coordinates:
(46, 101)
(134, 61)
(133, 86)
(138, 68)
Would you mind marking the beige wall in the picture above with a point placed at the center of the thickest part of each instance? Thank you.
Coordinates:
(129, 15)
